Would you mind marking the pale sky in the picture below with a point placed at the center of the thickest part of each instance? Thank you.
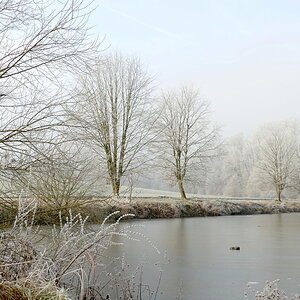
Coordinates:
(242, 55)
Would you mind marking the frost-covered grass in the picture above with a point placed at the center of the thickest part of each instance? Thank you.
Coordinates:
(174, 208)
(271, 291)
(163, 207)
(70, 264)
(137, 192)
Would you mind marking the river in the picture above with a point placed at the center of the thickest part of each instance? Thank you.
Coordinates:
(200, 259)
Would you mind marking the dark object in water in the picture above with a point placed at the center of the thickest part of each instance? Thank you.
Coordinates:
(235, 248)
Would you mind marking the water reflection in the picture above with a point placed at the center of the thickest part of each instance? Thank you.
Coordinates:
(198, 249)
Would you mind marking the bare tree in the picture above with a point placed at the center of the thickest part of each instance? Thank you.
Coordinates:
(38, 34)
(186, 137)
(113, 113)
(277, 152)
(40, 41)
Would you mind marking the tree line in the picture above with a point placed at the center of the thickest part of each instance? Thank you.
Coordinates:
(70, 112)
(262, 164)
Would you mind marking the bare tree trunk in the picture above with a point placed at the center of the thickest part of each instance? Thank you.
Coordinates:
(278, 193)
(115, 183)
(181, 189)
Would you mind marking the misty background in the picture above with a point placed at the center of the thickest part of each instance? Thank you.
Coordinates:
(242, 56)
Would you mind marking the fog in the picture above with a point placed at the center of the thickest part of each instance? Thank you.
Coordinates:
(242, 56)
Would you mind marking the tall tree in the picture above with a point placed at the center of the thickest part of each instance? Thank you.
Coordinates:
(186, 137)
(113, 113)
(40, 40)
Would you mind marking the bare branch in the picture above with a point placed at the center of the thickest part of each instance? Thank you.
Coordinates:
(113, 110)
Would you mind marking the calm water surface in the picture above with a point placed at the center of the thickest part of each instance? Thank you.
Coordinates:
(200, 259)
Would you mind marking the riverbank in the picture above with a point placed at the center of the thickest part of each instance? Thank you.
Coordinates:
(152, 208)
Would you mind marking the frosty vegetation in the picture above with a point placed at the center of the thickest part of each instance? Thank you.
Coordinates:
(75, 119)
(70, 262)
(270, 291)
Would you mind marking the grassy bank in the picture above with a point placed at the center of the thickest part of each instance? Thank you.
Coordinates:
(174, 208)
(151, 208)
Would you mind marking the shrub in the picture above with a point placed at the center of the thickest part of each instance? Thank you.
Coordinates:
(72, 263)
